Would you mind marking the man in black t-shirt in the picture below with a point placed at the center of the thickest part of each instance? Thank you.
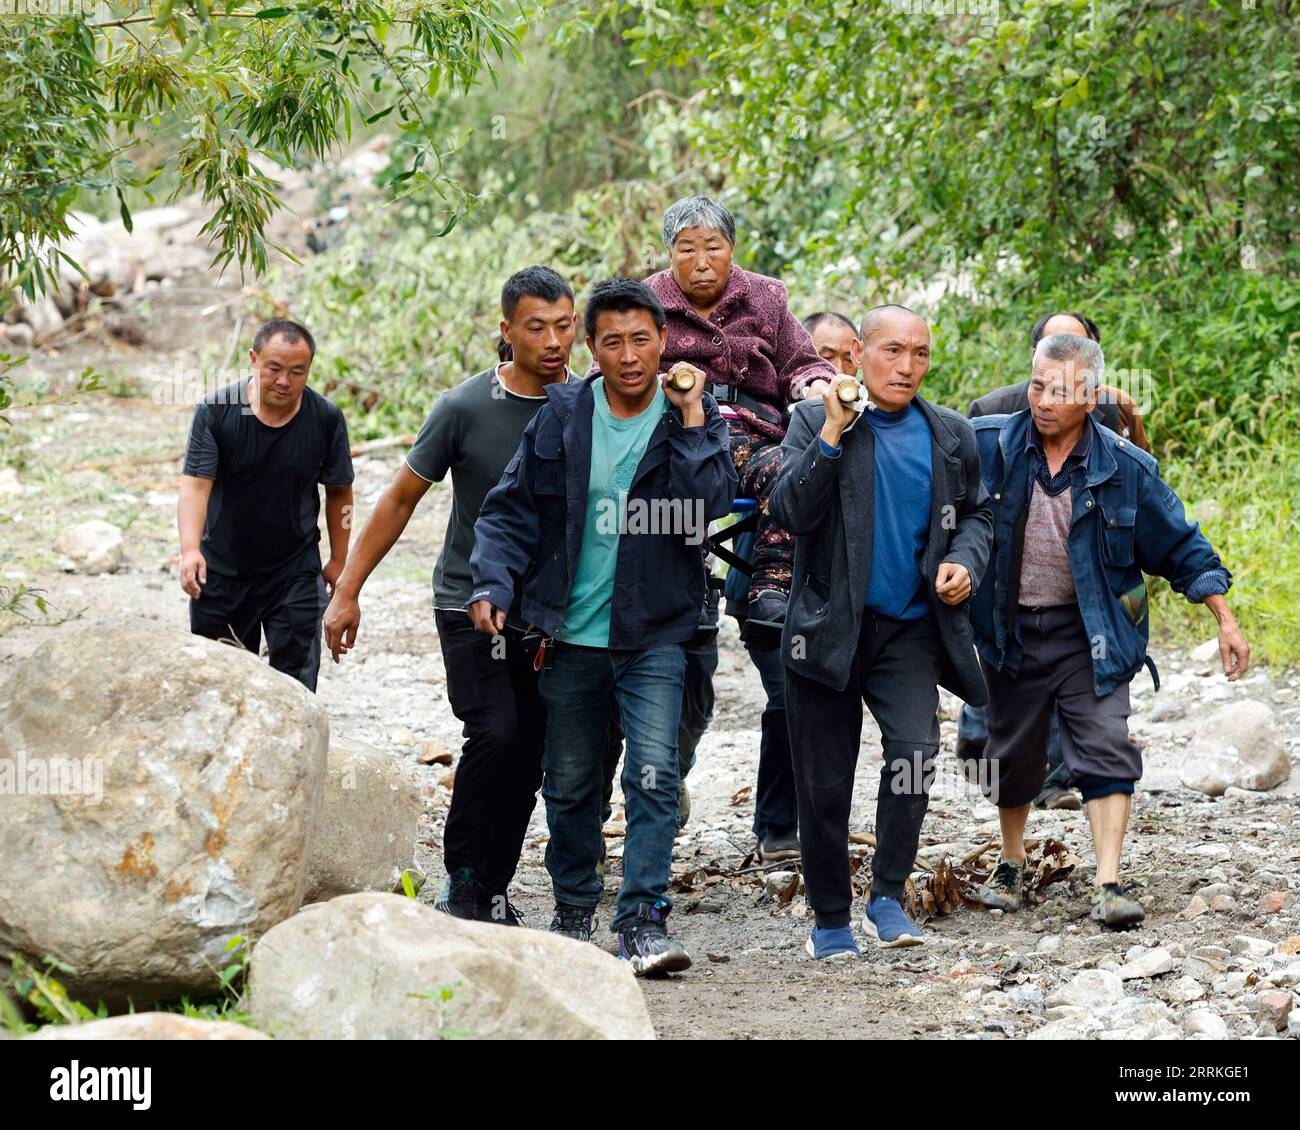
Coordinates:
(249, 506)
(473, 431)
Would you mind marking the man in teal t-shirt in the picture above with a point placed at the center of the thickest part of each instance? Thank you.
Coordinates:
(617, 446)
(619, 597)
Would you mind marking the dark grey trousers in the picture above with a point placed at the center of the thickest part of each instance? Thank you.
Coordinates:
(1056, 671)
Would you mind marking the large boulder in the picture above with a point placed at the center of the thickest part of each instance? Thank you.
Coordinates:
(162, 792)
(1238, 745)
(149, 1026)
(92, 547)
(368, 822)
(377, 966)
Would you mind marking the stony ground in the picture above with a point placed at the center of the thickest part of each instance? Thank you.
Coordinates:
(1219, 876)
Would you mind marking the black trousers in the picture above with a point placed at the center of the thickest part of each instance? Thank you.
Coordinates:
(287, 606)
(492, 689)
(896, 673)
(776, 806)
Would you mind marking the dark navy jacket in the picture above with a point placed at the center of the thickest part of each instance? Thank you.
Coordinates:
(829, 506)
(528, 537)
(1125, 521)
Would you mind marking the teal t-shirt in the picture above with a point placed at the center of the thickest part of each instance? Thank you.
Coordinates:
(616, 450)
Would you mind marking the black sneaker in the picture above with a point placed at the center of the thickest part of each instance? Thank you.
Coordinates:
(574, 922)
(646, 944)
(779, 845)
(764, 620)
(501, 910)
(461, 896)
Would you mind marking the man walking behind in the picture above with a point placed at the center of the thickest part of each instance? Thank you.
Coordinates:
(472, 431)
(249, 505)
(1061, 618)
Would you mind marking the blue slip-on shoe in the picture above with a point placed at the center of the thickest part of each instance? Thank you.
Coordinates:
(832, 942)
(886, 922)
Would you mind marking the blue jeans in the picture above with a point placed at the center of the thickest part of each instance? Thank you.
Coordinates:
(577, 690)
(972, 726)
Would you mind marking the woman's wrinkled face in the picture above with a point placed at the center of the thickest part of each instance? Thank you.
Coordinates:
(701, 262)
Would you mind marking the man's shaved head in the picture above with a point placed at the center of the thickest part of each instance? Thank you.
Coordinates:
(877, 316)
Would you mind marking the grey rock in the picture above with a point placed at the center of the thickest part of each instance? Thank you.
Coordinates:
(186, 823)
(1240, 745)
(1091, 989)
(1205, 1022)
(369, 819)
(1167, 710)
(377, 966)
(93, 547)
(1251, 947)
(1185, 990)
(150, 1026)
(1149, 963)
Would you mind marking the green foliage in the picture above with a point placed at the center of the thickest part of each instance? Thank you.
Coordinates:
(442, 999)
(46, 995)
(572, 112)
(206, 95)
(1068, 133)
(413, 882)
(7, 385)
(231, 978)
(403, 314)
(48, 998)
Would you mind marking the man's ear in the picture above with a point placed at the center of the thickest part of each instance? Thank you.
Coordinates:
(591, 347)
(505, 332)
(855, 352)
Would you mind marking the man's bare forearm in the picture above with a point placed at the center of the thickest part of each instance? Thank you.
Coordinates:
(1218, 604)
(338, 520)
(192, 511)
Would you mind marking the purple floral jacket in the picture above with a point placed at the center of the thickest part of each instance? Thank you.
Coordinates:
(751, 340)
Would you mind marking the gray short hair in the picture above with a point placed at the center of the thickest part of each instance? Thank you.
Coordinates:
(1089, 361)
(696, 212)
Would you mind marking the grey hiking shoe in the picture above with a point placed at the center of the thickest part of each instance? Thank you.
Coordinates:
(1116, 908)
(1004, 887)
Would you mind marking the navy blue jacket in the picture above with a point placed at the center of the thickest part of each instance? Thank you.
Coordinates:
(1125, 521)
(528, 537)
